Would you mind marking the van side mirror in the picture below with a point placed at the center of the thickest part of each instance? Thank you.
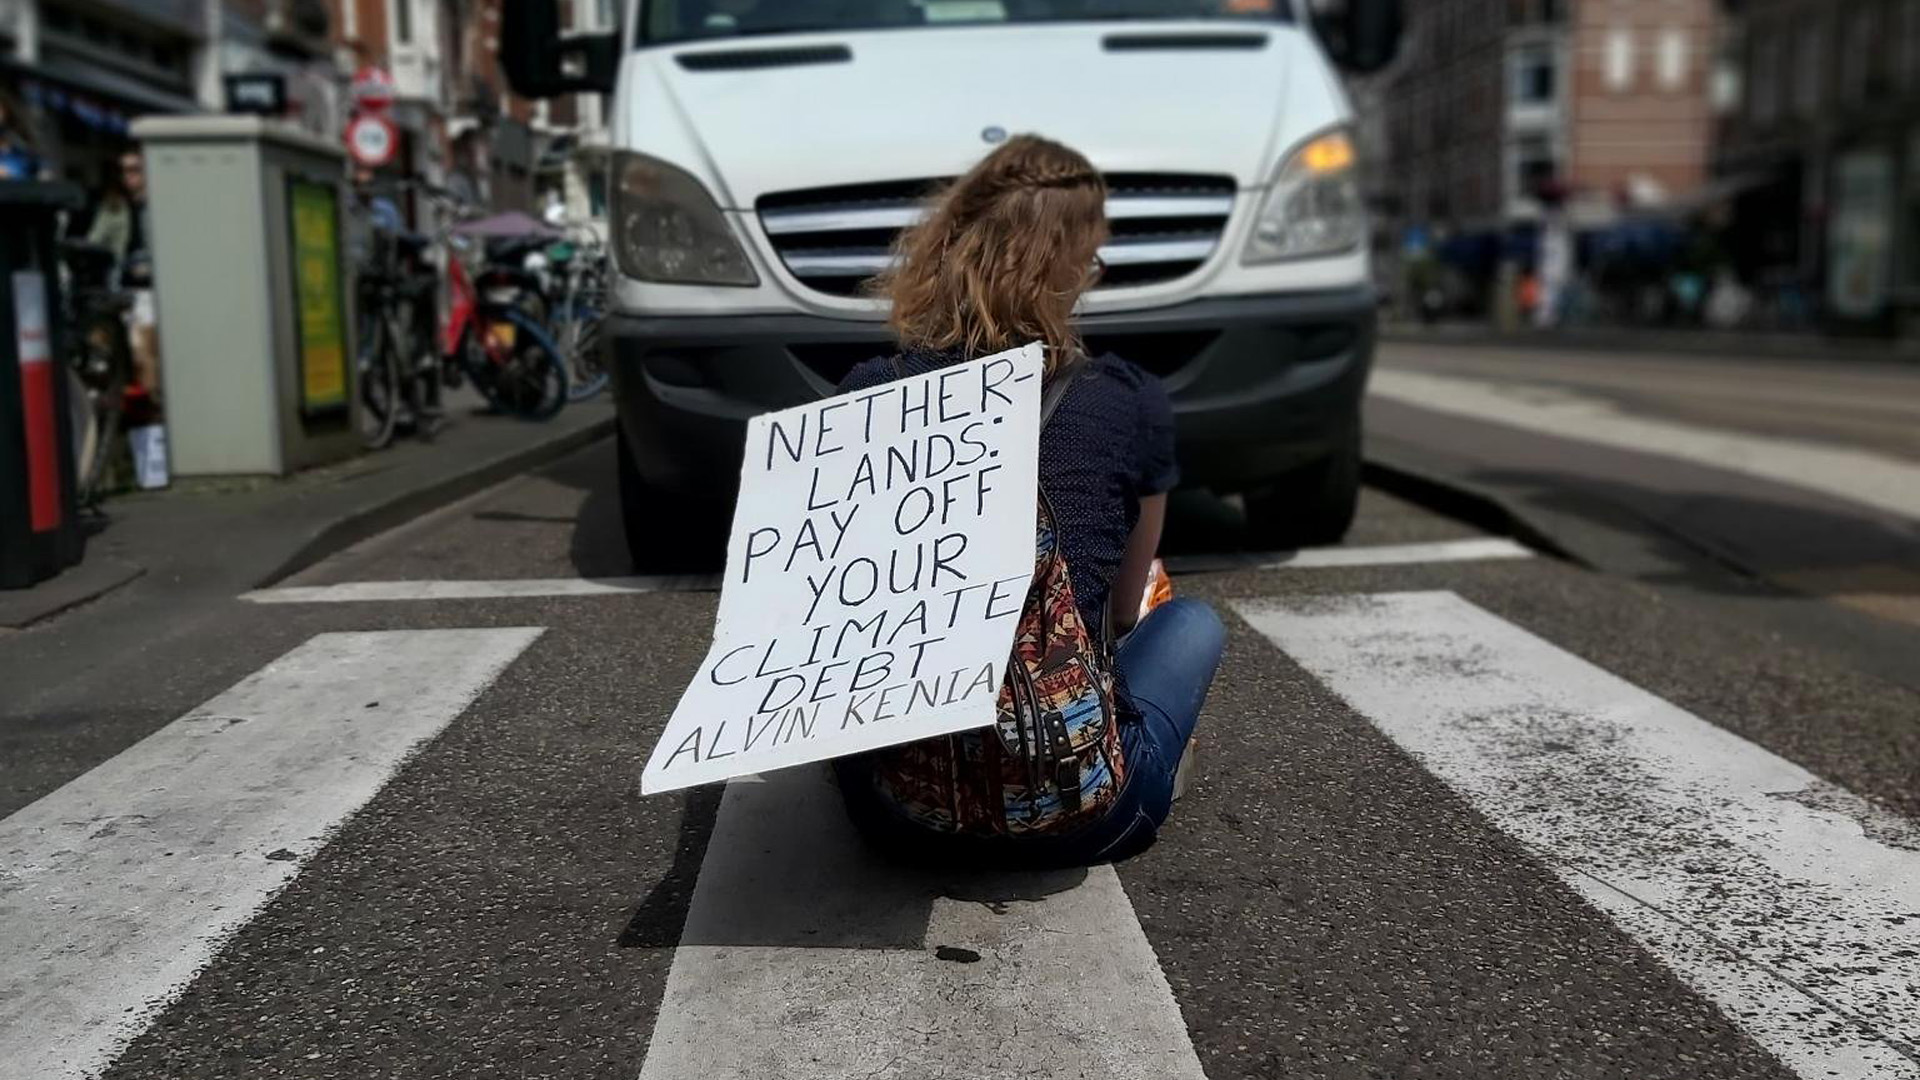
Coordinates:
(540, 63)
(1361, 36)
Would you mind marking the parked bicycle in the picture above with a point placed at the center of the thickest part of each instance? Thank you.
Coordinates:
(573, 271)
(399, 370)
(496, 334)
(493, 333)
(100, 364)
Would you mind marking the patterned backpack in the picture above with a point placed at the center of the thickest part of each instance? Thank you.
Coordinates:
(1053, 759)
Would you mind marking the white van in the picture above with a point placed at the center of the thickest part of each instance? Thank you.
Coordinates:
(765, 152)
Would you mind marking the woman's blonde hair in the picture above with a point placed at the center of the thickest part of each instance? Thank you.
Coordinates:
(1003, 255)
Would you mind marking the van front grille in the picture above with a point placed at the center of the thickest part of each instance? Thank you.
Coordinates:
(835, 239)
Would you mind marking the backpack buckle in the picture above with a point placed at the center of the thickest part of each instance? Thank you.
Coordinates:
(1066, 778)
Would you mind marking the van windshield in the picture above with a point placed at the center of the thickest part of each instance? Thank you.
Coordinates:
(692, 20)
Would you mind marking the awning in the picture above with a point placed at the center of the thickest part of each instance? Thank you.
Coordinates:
(73, 80)
(509, 225)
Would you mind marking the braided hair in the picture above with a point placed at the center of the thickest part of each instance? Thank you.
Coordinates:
(1002, 256)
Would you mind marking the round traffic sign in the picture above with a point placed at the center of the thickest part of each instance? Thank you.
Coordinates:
(372, 140)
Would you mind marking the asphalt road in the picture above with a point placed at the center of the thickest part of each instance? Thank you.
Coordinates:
(1535, 820)
(1788, 491)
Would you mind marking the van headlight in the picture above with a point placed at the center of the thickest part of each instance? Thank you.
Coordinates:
(1315, 206)
(666, 228)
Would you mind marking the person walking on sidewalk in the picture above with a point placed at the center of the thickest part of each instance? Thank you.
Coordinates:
(120, 225)
(1001, 261)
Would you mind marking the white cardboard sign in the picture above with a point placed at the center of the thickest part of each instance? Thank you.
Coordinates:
(880, 555)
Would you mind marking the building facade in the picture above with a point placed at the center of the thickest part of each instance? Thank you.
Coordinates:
(1823, 159)
(84, 69)
(1639, 112)
(1501, 111)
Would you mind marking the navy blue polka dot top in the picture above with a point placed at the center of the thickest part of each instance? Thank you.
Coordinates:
(1109, 443)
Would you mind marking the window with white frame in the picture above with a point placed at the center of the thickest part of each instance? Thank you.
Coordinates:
(1673, 57)
(1535, 163)
(1619, 58)
(1535, 74)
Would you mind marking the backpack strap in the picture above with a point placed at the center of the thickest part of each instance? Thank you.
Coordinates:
(1056, 392)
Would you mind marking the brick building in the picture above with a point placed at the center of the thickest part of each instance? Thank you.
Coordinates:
(1495, 102)
(1639, 111)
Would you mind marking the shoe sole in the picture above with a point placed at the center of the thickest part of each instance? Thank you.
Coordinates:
(1183, 775)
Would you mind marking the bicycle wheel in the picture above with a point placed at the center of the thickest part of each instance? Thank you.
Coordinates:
(532, 382)
(379, 385)
(421, 387)
(578, 335)
(102, 364)
(98, 439)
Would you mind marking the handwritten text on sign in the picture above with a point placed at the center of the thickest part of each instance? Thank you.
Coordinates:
(880, 555)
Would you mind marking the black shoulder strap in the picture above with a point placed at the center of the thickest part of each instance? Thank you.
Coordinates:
(1056, 392)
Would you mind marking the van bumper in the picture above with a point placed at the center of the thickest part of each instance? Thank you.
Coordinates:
(1261, 385)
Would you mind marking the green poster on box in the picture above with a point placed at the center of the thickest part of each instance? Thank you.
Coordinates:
(322, 337)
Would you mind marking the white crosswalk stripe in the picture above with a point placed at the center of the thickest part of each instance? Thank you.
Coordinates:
(363, 592)
(1478, 549)
(1791, 903)
(116, 889)
(804, 956)
(508, 589)
(1870, 479)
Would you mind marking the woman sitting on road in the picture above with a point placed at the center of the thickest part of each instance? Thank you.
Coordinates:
(1001, 261)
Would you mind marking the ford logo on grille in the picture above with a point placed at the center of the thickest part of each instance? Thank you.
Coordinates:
(995, 134)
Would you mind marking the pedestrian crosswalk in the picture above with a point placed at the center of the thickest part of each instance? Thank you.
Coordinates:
(1794, 906)
(116, 889)
(1791, 904)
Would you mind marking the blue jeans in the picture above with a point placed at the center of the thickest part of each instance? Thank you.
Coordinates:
(1166, 664)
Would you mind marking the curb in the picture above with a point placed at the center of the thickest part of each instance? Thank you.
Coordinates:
(1463, 501)
(354, 527)
(74, 587)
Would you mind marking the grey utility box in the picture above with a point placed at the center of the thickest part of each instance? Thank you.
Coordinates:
(247, 224)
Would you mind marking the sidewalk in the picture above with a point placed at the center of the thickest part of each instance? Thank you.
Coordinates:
(226, 536)
(1632, 339)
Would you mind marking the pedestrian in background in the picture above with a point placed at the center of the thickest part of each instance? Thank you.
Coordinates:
(120, 225)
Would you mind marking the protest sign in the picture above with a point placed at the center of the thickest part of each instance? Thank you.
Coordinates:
(880, 554)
